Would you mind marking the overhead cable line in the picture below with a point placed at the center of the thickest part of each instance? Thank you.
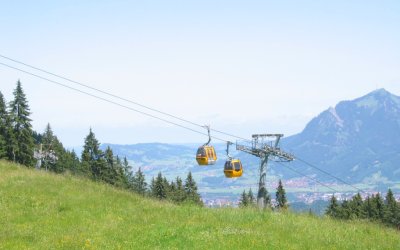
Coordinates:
(118, 97)
(299, 173)
(109, 101)
(331, 175)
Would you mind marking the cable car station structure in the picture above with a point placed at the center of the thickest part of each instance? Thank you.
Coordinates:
(265, 150)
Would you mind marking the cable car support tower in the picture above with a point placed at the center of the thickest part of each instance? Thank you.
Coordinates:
(264, 148)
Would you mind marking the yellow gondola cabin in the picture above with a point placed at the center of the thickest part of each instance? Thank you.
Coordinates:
(233, 168)
(206, 155)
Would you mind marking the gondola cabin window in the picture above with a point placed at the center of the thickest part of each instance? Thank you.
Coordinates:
(238, 166)
(201, 152)
(228, 165)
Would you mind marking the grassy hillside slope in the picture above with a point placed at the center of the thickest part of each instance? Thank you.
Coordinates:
(44, 211)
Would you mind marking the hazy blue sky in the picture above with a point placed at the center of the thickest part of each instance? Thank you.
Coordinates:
(242, 66)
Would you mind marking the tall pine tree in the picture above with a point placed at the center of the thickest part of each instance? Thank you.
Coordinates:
(127, 169)
(252, 200)
(244, 199)
(267, 197)
(92, 157)
(392, 209)
(333, 208)
(356, 207)
(22, 150)
(368, 208)
(110, 174)
(281, 201)
(152, 188)
(3, 127)
(191, 190)
(345, 210)
(180, 194)
(139, 184)
(54, 157)
(159, 191)
(7, 133)
(380, 207)
(392, 215)
(49, 155)
(73, 163)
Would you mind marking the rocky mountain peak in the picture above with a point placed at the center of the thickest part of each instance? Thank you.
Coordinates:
(379, 98)
(362, 134)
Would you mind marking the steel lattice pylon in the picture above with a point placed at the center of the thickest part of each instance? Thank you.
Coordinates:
(264, 149)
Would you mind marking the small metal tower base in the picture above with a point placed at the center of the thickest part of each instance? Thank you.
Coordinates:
(264, 149)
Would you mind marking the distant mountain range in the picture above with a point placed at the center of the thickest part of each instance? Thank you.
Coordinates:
(357, 140)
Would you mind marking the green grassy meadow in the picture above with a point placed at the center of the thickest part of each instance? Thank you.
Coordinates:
(40, 210)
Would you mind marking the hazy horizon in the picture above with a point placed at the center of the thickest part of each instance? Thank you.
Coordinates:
(243, 68)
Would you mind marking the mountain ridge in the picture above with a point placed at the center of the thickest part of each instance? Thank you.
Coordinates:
(361, 134)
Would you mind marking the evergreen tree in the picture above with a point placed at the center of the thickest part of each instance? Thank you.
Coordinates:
(333, 208)
(369, 209)
(63, 159)
(8, 143)
(252, 200)
(356, 207)
(113, 172)
(380, 207)
(23, 146)
(3, 128)
(180, 194)
(172, 191)
(345, 210)
(392, 215)
(244, 199)
(110, 173)
(191, 190)
(122, 175)
(159, 188)
(92, 157)
(73, 163)
(152, 189)
(267, 197)
(127, 169)
(139, 182)
(389, 199)
(281, 196)
(11, 141)
(167, 188)
(118, 161)
(48, 155)
(37, 137)
(47, 137)
(126, 165)
(53, 156)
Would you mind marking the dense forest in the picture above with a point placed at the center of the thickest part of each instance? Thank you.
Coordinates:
(19, 143)
(373, 208)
